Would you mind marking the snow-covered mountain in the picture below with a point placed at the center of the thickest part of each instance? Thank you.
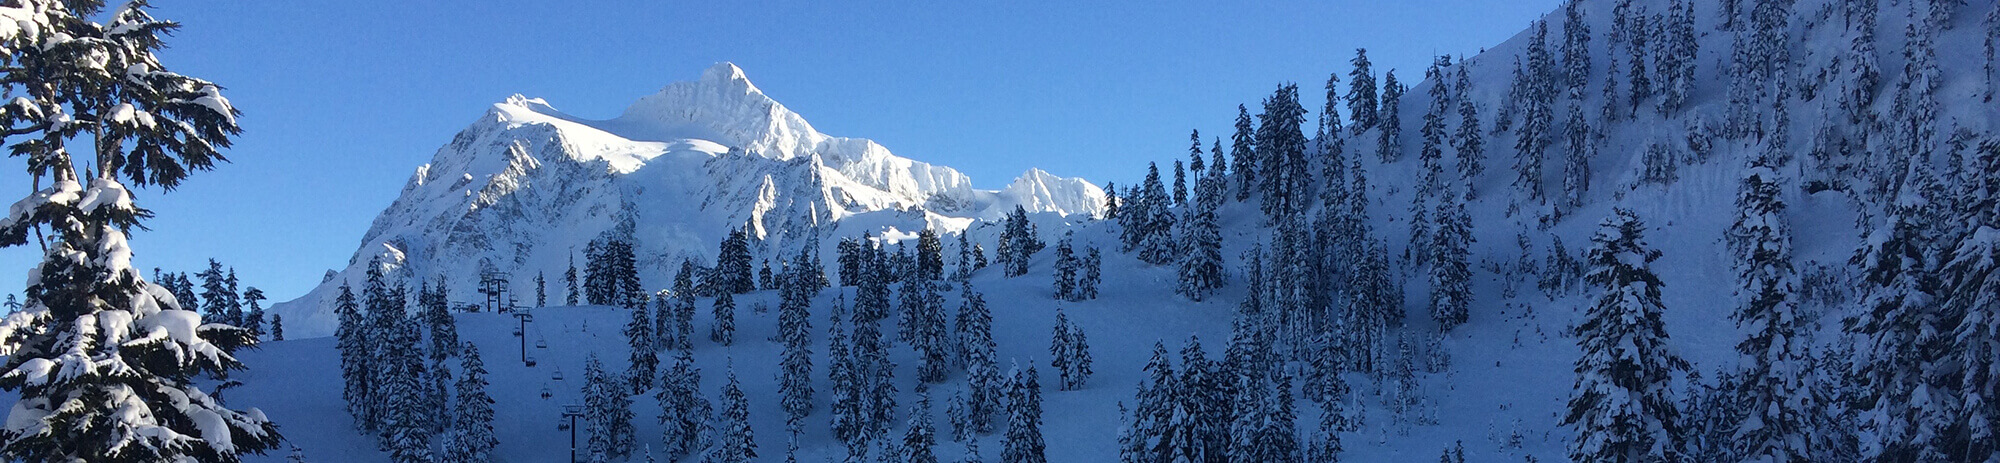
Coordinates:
(526, 186)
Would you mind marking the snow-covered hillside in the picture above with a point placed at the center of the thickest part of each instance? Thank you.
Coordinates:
(525, 187)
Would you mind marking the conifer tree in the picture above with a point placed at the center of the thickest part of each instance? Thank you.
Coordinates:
(1155, 224)
(1069, 354)
(1093, 273)
(1623, 410)
(1180, 184)
(1196, 165)
(1201, 265)
(1531, 136)
(406, 427)
(471, 439)
(920, 442)
(1677, 64)
(1024, 443)
(847, 421)
(924, 309)
(541, 290)
(724, 330)
(1575, 49)
(1390, 146)
(1968, 281)
(1431, 154)
(643, 361)
(569, 279)
(1243, 150)
(1065, 270)
(1149, 434)
(1576, 165)
(976, 350)
(764, 276)
(1774, 376)
(1361, 104)
(253, 317)
(1019, 243)
(356, 365)
(1280, 153)
(964, 270)
(1641, 80)
(1469, 141)
(930, 255)
(683, 408)
(795, 331)
(738, 443)
(1277, 438)
(608, 409)
(277, 327)
(1450, 271)
(1329, 135)
(1204, 403)
(1218, 167)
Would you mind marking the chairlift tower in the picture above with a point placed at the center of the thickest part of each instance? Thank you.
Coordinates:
(522, 333)
(572, 412)
(494, 285)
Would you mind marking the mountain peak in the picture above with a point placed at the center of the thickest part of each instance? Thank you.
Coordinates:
(726, 75)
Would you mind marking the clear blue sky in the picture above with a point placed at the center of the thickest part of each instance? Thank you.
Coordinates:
(342, 100)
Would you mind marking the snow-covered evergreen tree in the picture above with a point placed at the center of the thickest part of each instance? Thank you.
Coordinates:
(1361, 103)
(1069, 353)
(1451, 269)
(1676, 65)
(846, 409)
(1968, 282)
(1148, 434)
(1024, 443)
(920, 441)
(643, 361)
(1180, 190)
(684, 410)
(351, 338)
(930, 255)
(1019, 243)
(253, 314)
(976, 351)
(1575, 48)
(724, 330)
(1093, 274)
(1468, 141)
(1576, 162)
(408, 422)
(1065, 270)
(1243, 150)
(1777, 423)
(1623, 409)
(1203, 399)
(569, 280)
(1531, 138)
(1281, 155)
(608, 408)
(928, 335)
(795, 331)
(1390, 146)
(1201, 265)
(471, 439)
(738, 443)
